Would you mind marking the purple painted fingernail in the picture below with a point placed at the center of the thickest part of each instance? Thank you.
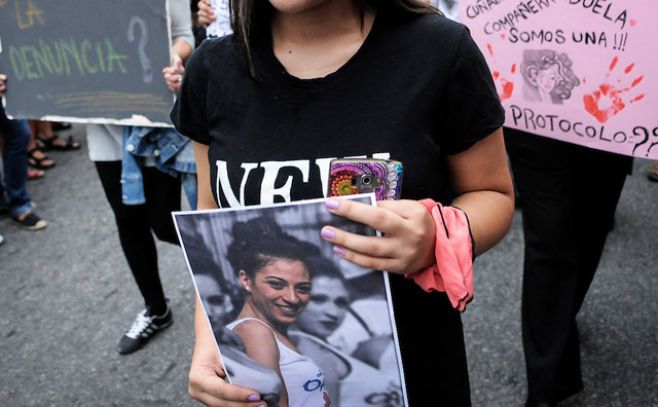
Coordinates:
(339, 251)
(328, 233)
(332, 204)
(253, 397)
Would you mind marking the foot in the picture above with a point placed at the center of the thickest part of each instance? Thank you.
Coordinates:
(34, 173)
(36, 158)
(55, 143)
(143, 329)
(30, 221)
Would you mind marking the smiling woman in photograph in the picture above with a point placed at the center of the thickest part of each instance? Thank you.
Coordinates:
(276, 280)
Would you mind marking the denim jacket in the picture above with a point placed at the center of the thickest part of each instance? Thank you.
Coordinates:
(172, 153)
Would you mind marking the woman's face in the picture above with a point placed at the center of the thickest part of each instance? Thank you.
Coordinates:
(280, 290)
(326, 309)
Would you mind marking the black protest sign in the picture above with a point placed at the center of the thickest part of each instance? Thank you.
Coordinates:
(86, 61)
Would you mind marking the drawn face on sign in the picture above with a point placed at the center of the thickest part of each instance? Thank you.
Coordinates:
(548, 77)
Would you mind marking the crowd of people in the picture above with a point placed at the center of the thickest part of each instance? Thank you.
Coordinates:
(311, 79)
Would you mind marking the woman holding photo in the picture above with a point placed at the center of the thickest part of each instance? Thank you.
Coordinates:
(304, 81)
(276, 280)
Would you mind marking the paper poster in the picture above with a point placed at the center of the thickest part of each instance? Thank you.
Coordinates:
(581, 71)
(290, 318)
(222, 24)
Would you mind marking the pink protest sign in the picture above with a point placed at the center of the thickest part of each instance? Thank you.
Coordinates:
(581, 71)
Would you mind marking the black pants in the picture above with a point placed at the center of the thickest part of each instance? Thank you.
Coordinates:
(135, 223)
(569, 195)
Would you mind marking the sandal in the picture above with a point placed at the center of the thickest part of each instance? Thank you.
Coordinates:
(51, 143)
(34, 173)
(40, 163)
(653, 172)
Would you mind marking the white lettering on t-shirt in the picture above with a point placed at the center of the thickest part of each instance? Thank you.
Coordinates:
(224, 185)
(268, 190)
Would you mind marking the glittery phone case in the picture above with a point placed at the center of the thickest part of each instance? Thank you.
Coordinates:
(364, 175)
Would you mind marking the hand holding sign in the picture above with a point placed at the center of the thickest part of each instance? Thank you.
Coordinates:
(173, 74)
(206, 14)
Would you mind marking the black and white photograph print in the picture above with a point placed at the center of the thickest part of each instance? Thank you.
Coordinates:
(292, 320)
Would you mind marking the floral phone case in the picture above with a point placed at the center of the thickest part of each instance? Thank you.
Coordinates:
(364, 175)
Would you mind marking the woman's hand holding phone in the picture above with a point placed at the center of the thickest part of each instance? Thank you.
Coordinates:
(407, 244)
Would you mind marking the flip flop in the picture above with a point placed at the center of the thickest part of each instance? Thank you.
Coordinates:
(39, 163)
(50, 143)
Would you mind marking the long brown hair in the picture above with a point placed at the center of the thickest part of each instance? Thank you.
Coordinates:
(250, 17)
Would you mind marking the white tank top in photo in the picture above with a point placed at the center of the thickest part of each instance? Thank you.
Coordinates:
(364, 385)
(303, 379)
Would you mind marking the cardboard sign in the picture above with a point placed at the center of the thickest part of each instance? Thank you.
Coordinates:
(82, 61)
(581, 71)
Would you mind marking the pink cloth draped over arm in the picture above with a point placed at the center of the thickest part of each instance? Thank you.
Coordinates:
(452, 271)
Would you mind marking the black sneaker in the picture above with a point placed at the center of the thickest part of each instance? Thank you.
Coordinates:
(143, 328)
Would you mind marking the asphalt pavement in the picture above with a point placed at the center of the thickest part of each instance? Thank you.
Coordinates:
(66, 297)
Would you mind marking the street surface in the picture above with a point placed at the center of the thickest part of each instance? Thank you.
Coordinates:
(67, 296)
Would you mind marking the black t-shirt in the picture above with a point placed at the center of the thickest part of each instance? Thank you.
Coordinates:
(418, 89)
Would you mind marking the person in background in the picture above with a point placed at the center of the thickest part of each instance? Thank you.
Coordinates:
(14, 197)
(567, 215)
(142, 196)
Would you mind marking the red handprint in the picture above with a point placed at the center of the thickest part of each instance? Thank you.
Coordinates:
(607, 100)
(505, 87)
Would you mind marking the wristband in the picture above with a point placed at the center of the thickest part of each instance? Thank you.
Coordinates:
(452, 271)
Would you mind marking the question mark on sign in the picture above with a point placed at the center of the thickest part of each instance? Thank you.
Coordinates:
(143, 39)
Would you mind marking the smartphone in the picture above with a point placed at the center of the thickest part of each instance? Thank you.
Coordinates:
(349, 176)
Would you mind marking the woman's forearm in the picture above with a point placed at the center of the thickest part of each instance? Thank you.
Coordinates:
(202, 332)
(484, 185)
(489, 214)
(182, 48)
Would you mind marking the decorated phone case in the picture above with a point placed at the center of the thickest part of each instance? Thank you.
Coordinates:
(364, 175)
